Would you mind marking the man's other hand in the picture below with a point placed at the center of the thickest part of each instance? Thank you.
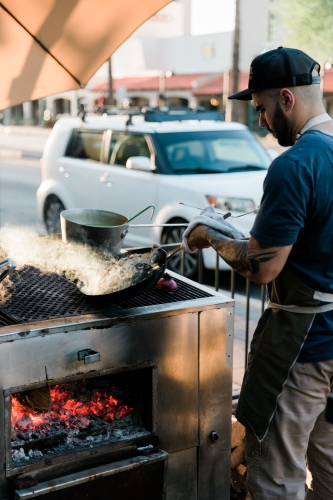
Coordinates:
(197, 238)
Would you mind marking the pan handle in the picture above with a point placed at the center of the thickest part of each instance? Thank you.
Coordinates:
(172, 252)
(11, 266)
(185, 224)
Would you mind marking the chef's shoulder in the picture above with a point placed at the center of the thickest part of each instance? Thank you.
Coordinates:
(292, 163)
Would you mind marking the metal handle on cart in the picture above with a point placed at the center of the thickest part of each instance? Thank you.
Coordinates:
(11, 266)
(88, 356)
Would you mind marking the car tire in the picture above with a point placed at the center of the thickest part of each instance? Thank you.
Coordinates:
(52, 210)
(173, 235)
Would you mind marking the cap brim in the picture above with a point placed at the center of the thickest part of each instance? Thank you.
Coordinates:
(244, 95)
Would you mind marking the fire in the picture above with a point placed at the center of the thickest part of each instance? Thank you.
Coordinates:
(73, 406)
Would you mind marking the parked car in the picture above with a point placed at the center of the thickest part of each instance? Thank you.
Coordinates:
(124, 164)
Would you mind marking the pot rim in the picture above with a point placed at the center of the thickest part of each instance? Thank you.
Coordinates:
(65, 213)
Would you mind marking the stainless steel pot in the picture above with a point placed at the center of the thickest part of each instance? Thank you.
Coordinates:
(101, 229)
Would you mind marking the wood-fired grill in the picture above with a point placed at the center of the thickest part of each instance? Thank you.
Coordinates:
(173, 350)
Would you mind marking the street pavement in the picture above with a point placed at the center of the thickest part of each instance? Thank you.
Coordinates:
(22, 142)
(20, 150)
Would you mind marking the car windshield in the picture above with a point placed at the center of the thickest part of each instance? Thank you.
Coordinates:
(212, 152)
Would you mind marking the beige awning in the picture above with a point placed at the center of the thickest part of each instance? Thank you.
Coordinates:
(50, 46)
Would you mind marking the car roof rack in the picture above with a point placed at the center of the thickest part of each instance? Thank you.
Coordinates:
(166, 114)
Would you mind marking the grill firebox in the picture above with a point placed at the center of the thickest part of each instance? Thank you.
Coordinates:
(86, 413)
(175, 351)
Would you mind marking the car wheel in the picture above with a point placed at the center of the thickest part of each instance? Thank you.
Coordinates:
(52, 210)
(173, 235)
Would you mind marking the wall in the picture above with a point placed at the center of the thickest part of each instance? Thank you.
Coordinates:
(254, 30)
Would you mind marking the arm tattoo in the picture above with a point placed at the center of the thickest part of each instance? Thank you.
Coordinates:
(237, 254)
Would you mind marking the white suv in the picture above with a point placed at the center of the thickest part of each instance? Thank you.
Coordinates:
(124, 164)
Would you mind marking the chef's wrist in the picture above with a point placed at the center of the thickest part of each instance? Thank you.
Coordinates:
(213, 236)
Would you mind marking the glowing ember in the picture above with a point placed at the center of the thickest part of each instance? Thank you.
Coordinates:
(73, 406)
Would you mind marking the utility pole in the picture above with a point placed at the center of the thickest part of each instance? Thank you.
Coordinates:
(235, 62)
(110, 83)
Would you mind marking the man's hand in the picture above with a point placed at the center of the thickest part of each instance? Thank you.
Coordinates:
(198, 238)
(209, 219)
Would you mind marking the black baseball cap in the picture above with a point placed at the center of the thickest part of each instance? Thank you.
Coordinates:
(279, 68)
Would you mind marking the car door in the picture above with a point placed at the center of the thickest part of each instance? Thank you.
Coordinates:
(128, 191)
(81, 168)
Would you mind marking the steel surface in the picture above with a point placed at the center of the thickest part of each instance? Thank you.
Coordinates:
(215, 396)
(94, 474)
(188, 346)
(182, 475)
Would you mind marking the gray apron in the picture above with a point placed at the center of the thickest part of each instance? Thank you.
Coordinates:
(277, 341)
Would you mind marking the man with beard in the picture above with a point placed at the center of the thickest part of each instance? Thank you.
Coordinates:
(290, 370)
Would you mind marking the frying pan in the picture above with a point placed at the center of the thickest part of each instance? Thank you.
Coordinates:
(144, 284)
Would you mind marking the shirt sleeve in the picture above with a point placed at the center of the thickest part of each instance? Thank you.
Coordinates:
(283, 208)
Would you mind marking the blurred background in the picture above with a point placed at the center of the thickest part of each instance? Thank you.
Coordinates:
(193, 53)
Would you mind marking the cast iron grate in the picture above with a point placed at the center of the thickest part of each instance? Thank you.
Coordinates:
(37, 297)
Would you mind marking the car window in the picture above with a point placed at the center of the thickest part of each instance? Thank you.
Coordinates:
(234, 149)
(86, 145)
(212, 152)
(189, 153)
(128, 146)
(115, 137)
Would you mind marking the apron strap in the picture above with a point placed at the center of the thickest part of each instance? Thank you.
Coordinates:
(300, 309)
(324, 297)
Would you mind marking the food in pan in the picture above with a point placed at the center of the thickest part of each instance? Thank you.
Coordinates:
(94, 272)
(123, 273)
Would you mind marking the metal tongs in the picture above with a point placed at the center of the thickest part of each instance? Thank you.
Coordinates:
(10, 264)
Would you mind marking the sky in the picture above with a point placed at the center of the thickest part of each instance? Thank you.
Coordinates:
(212, 16)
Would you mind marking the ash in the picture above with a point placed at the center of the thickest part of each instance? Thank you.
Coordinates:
(73, 441)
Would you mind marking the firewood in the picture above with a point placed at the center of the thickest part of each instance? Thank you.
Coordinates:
(39, 399)
(237, 481)
(237, 432)
(238, 455)
(241, 469)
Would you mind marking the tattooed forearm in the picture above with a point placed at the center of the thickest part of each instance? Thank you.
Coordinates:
(238, 254)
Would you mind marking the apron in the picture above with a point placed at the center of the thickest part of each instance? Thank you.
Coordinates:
(276, 344)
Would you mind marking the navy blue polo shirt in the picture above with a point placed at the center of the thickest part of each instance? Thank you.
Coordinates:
(297, 209)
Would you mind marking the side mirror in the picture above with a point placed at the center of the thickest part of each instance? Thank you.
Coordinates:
(139, 163)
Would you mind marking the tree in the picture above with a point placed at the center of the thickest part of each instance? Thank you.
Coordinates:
(235, 62)
(309, 26)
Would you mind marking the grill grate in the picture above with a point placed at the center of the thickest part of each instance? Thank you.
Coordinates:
(37, 297)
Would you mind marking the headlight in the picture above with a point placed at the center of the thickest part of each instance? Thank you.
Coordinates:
(232, 204)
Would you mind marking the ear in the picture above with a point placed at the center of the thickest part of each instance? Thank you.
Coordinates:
(287, 99)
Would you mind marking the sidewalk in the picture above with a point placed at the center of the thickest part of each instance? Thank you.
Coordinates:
(22, 142)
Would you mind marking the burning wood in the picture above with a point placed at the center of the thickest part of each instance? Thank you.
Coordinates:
(82, 413)
(39, 399)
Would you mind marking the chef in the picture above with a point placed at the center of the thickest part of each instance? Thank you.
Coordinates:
(290, 369)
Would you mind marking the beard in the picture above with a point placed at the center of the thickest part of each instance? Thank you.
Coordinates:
(281, 127)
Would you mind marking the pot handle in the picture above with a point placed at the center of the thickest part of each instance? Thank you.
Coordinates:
(11, 266)
(124, 232)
